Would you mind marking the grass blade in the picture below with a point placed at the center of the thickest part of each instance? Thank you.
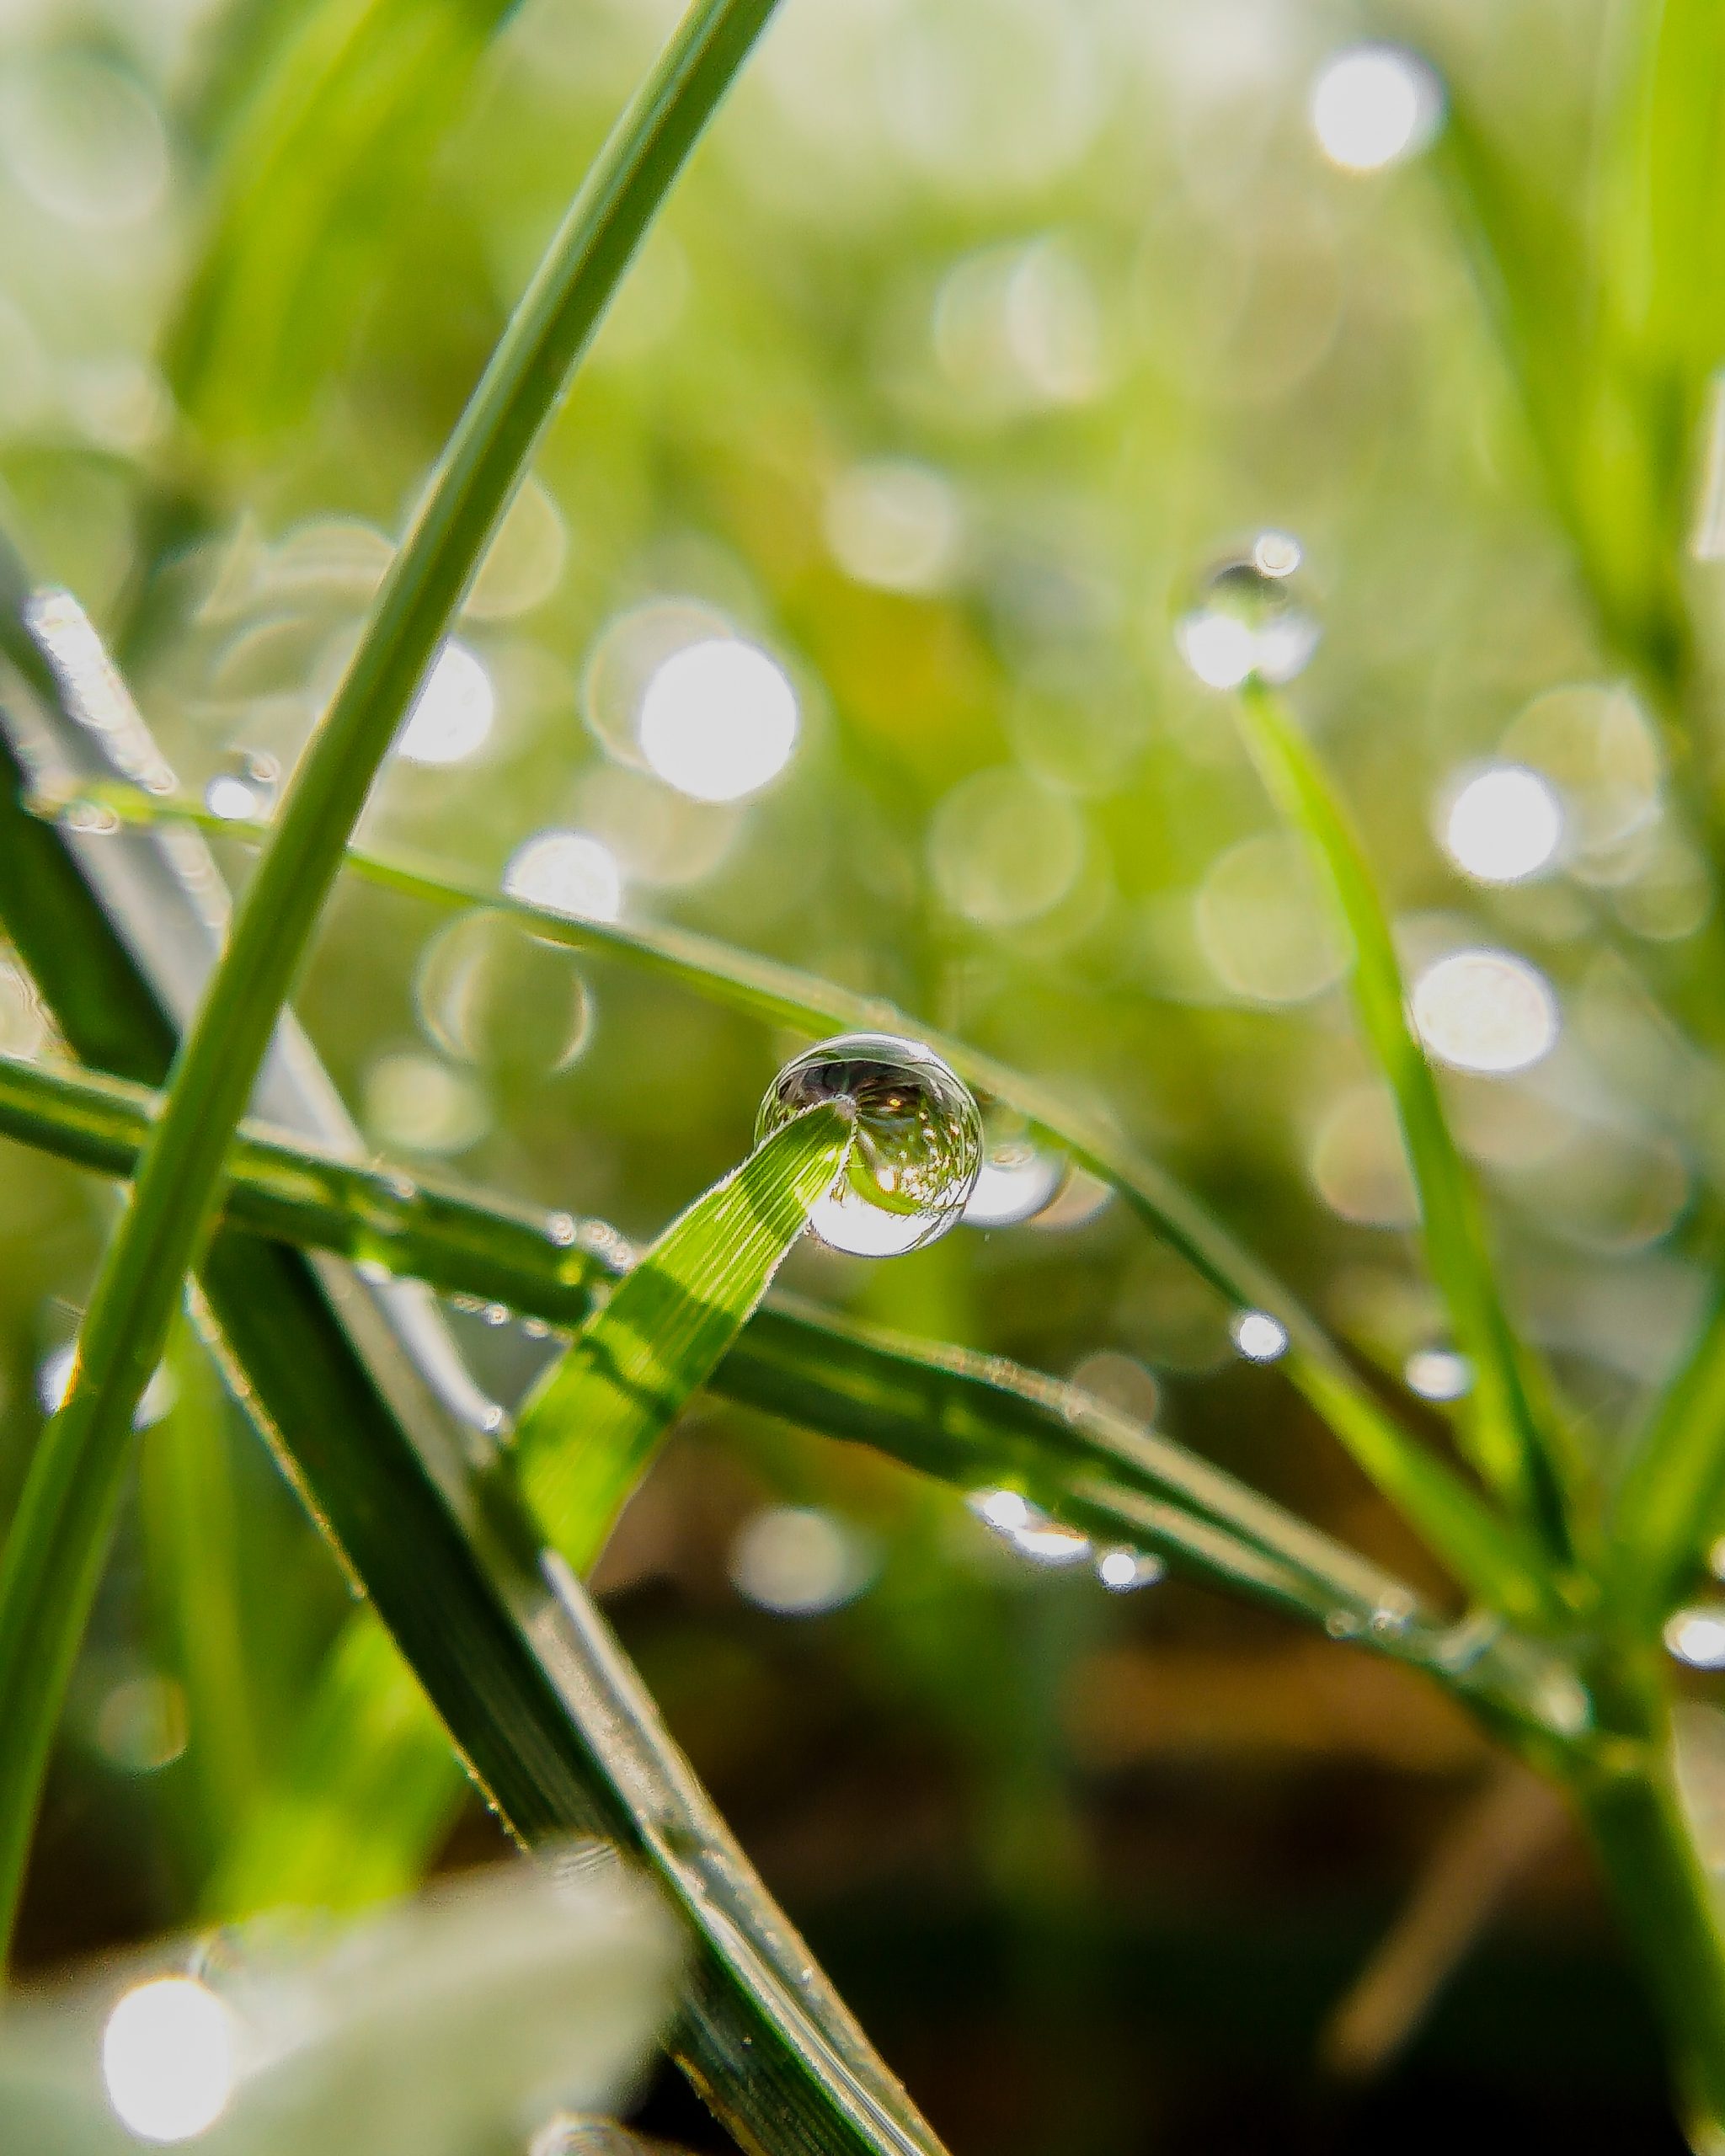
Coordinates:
(1485, 1553)
(192, 1560)
(1671, 1506)
(551, 1720)
(976, 1421)
(53, 1557)
(589, 1432)
(318, 158)
(1507, 1437)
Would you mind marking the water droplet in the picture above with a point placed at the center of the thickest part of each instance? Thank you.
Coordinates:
(1394, 1613)
(918, 1145)
(1120, 1569)
(1028, 1528)
(1438, 1374)
(90, 818)
(1260, 1338)
(1017, 1180)
(560, 1229)
(1697, 1635)
(1342, 1624)
(1249, 618)
(246, 790)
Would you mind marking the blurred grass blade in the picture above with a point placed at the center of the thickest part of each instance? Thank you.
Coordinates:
(51, 1563)
(551, 1721)
(1671, 1506)
(976, 1421)
(367, 1794)
(1488, 1556)
(418, 2032)
(316, 161)
(1507, 1437)
(192, 1562)
(588, 1433)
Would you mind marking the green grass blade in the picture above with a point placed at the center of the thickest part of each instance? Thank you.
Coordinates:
(976, 1421)
(368, 1792)
(1670, 1505)
(1507, 1439)
(53, 1557)
(1488, 1556)
(191, 1552)
(320, 157)
(551, 1720)
(590, 1429)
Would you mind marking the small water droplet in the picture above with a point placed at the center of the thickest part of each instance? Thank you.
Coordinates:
(918, 1145)
(245, 789)
(1121, 1569)
(560, 1229)
(1249, 618)
(89, 819)
(1343, 1624)
(1394, 1613)
(1018, 1179)
(496, 1314)
(1260, 1338)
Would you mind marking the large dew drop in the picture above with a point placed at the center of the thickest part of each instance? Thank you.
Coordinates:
(918, 1146)
(1249, 618)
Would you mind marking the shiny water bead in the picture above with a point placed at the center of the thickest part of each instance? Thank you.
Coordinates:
(918, 1145)
(1249, 618)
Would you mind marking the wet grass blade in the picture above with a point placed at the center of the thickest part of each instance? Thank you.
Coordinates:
(1509, 1439)
(975, 1422)
(588, 1433)
(1487, 1555)
(53, 1558)
(551, 1720)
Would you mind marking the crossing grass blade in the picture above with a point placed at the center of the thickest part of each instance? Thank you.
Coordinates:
(973, 1421)
(1487, 1555)
(550, 1720)
(591, 1427)
(1508, 1437)
(51, 1563)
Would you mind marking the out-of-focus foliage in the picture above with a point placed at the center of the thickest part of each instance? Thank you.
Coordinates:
(979, 327)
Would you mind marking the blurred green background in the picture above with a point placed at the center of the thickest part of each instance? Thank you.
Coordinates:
(977, 330)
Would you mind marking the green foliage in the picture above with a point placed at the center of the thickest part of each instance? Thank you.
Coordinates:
(330, 140)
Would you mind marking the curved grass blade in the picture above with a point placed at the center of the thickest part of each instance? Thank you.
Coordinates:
(1506, 1434)
(976, 1421)
(1486, 1554)
(592, 1426)
(1671, 1506)
(551, 1721)
(53, 1558)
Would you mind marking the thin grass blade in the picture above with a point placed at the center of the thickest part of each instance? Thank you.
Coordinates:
(550, 1720)
(978, 1422)
(1507, 1437)
(192, 1563)
(1671, 1506)
(1487, 1555)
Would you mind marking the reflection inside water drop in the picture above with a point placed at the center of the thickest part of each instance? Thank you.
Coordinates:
(917, 1149)
(1016, 1181)
(1249, 618)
